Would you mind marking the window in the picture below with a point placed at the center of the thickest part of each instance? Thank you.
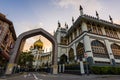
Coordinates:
(111, 32)
(80, 51)
(99, 49)
(96, 29)
(63, 41)
(71, 55)
(116, 50)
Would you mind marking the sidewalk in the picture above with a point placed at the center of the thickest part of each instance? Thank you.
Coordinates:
(9, 76)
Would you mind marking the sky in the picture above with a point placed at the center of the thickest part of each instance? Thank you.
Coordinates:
(31, 14)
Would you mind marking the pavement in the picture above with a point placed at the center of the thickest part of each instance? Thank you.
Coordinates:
(46, 76)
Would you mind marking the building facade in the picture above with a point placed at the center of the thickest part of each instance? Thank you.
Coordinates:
(7, 39)
(89, 38)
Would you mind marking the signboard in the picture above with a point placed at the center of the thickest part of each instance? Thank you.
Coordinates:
(85, 55)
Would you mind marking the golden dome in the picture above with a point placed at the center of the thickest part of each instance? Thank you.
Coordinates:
(38, 44)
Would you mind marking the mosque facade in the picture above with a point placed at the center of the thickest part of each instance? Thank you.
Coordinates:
(89, 39)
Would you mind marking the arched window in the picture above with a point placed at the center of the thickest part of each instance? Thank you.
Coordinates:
(63, 59)
(71, 55)
(116, 50)
(99, 49)
(80, 51)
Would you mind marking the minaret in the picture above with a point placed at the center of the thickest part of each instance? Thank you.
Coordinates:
(81, 10)
(97, 15)
(111, 19)
(72, 20)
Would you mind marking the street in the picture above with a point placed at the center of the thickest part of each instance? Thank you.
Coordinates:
(46, 76)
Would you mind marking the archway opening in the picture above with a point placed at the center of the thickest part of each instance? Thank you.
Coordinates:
(116, 50)
(63, 59)
(71, 55)
(99, 49)
(19, 47)
(80, 51)
(36, 55)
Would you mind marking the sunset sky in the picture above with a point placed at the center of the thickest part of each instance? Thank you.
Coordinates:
(32, 14)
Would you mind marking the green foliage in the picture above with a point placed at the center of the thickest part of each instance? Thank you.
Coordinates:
(105, 69)
(72, 66)
(25, 59)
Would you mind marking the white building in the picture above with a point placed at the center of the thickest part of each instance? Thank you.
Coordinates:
(89, 37)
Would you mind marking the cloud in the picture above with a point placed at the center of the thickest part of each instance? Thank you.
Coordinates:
(26, 26)
(39, 25)
(117, 21)
(89, 6)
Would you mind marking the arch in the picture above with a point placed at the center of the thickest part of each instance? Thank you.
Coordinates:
(116, 50)
(99, 49)
(71, 55)
(80, 51)
(63, 59)
(20, 43)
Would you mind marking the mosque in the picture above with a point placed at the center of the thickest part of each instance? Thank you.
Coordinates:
(89, 38)
(40, 57)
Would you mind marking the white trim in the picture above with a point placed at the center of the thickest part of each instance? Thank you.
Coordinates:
(101, 59)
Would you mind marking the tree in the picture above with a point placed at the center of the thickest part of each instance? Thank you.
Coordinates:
(26, 60)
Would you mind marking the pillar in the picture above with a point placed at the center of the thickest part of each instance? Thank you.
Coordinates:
(60, 68)
(78, 32)
(63, 69)
(111, 56)
(118, 34)
(75, 54)
(103, 31)
(82, 68)
(87, 44)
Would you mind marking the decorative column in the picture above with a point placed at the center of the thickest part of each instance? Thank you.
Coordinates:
(67, 55)
(118, 34)
(75, 55)
(78, 32)
(87, 44)
(103, 31)
(111, 56)
(60, 68)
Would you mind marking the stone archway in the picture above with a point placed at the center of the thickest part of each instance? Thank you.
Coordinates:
(20, 43)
